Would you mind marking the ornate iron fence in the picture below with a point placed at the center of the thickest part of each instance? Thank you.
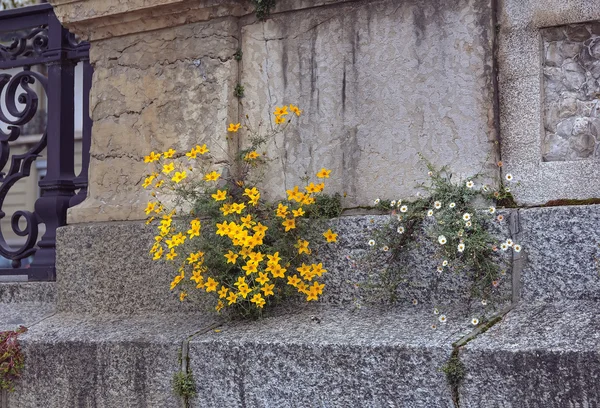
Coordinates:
(33, 36)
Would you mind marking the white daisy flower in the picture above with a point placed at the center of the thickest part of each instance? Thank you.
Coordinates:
(442, 239)
(460, 233)
(403, 209)
(466, 216)
(474, 321)
(452, 205)
(442, 319)
(517, 248)
(445, 263)
(392, 203)
(385, 248)
(507, 189)
(470, 184)
(429, 213)
(398, 203)
(433, 326)
(400, 230)
(377, 200)
(509, 242)
(415, 302)
(461, 247)
(430, 173)
(436, 311)
(509, 177)
(503, 246)
(371, 242)
(492, 210)
(500, 218)
(468, 224)
(437, 205)
(440, 269)
(485, 188)
(484, 302)
(399, 217)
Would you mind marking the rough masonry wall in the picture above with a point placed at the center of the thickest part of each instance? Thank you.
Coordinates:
(157, 90)
(379, 83)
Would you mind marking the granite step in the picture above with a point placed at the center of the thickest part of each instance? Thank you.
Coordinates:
(25, 304)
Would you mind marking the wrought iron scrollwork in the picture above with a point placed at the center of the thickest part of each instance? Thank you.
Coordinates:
(31, 43)
(21, 102)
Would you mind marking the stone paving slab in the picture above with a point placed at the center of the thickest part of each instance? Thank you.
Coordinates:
(25, 304)
(324, 357)
(539, 355)
(103, 361)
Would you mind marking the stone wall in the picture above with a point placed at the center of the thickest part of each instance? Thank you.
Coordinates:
(379, 82)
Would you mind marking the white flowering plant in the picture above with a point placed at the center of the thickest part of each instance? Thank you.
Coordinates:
(450, 215)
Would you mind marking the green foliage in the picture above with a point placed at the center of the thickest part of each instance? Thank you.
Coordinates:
(238, 92)
(12, 359)
(184, 384)
(450, 215)
(326, 206)
(263, 8)
(455, 371)
(238, 55)
(11, 4)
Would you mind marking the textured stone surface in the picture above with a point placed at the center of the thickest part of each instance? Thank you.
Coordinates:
(537, 356)
(379, 81)
(522, 112)
(153, 91)
(25, 304)
(571, 92)
(103, 362)
(562, 245)
(371, 358)
(116, 274)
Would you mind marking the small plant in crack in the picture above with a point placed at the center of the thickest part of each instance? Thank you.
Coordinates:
(263, 8)
(238, 92)
(238, 54)
(12, 360)
(184, 385)
(455, 371)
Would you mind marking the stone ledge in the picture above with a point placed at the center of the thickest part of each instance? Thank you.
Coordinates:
(106, 361)
(547, 353)
(26, 304)
(326, 357)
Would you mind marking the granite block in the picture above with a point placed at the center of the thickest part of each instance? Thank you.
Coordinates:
(539, 355)
(103, 362)
(326, 358)
(25, 304)
(562, 245)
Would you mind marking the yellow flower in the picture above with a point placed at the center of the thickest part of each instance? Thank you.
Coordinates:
(277, 271)
(293, 280)
(256, 257)
(234, 127)
(241, 280)
(169, 153)
(179, 176)
(176, 280)
(193, 258)
(302, 246)
(260, 228)
(212, 176)
(323, 173)
(211, 285)
(232, 298)
(150, 207)
(226, 209)
(274, 259)
(318, 287)
(317, 269)
(295, 109)
(158, 254)
(231, 257)
(148, 180)
(250, 267)
(149, 220)
(279, 120)
(280, 111)
(168, 168)
(298, 213)
(244, 290)
(295, 194)
(268, 289)
(258, 300)
(330, 236)
(159, 183)
(220, 195)
(223, 292)
(315, 188)
(192, 154)
(262, 278)
(237, 207)
(251, 155)
(247, 221)
(282, 210)
(152, 157)
(182, 296)
(289, 224)
(194, 230)
(308, 200)
(312, 294)
(201, 149)
(171, 255)
(220, 305)
(304, 270)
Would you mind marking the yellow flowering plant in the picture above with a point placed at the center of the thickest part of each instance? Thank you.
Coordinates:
(222, 237)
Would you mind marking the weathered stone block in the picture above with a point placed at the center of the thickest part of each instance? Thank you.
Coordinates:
(379, 82)
(25, 304)
(543, 355)
(325, 357)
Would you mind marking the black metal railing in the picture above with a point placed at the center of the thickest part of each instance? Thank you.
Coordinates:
(33, 37)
